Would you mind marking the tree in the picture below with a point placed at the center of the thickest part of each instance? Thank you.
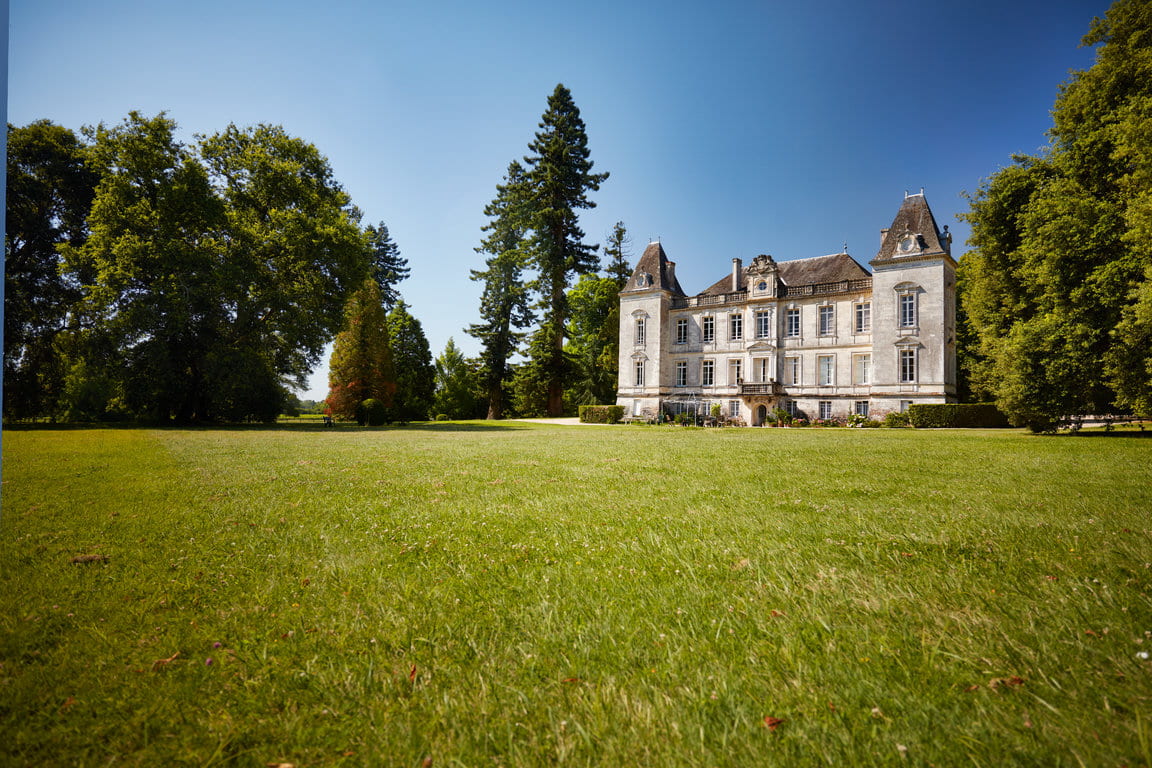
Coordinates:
(50, 190)
(457, 382)
(559, 178)
(210, 281)
(388, 267)
(504, 303)
(1129, 362)
(528, 382)
(151, 269)
(361, 364)
(294, 243)
(594, 344)
(618, 249)
(1060, 243)
(412, 362)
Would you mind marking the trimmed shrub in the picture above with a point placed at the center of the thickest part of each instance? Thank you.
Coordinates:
(896, 419)
(601, 414)
(965, 415)
(372, 412)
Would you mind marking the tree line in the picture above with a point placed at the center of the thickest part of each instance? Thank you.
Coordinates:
(1055, 297)
(153, 279)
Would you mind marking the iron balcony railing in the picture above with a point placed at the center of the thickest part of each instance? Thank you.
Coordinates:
(768, 388)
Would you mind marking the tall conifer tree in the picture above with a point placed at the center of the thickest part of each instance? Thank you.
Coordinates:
(559, 178)
(504, 304)
(412, 359)
(618, 250)
(389, 268)
(361, 365)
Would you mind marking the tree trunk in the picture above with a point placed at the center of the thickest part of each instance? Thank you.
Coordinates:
(495, 401)
(555, 399)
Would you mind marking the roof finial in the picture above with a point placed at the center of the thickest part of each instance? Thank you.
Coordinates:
(905, 194)
(845, 247)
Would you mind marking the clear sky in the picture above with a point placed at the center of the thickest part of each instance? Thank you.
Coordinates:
(729, 128)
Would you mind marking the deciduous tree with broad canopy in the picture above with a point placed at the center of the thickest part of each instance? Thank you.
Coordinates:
(214, 274)
(50, 191)
(1055, 290)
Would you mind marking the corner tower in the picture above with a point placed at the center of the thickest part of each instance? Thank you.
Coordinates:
(914, 310)
(644, 304)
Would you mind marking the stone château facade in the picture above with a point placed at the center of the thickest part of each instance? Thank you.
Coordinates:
(820, 337)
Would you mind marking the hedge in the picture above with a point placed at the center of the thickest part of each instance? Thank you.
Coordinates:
(956, 415)
(601, 414)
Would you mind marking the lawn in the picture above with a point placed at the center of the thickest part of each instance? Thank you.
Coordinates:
(521, 595)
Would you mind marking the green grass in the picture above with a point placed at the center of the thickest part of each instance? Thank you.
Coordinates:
(521, 595)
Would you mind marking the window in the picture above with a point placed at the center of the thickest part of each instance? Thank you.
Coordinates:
(635, 407)
(763, 325)
(734, 374)
(639, 373)
(733, 409)
(904, 404)
(707, 373)
(790, 406)
(862, 369)
(708, 327)
(792, 323)
(792, 370)
(825, 366)
(763, 370)
(735, 327)
(682, 373)
(907, 366)
(639, 331)
(907, 310)
(825, 409)
(863, 317)
(827, 320)
(682, 331)
(861, 407)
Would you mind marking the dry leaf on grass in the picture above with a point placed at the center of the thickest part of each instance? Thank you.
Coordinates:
(772, 723)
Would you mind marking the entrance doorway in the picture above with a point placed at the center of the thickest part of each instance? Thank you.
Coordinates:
(761, 415)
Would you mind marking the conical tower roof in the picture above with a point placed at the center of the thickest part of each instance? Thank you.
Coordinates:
(654, 272)
(914, 220)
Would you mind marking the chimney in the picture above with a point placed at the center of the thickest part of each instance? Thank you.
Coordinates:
(883, 234)
(671, 272)
(736, 266)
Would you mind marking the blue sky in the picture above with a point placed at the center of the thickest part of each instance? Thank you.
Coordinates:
(729, 129)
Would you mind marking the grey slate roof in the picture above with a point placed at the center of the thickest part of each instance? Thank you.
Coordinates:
(914, 217)
(818, 269)
(654, 272)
